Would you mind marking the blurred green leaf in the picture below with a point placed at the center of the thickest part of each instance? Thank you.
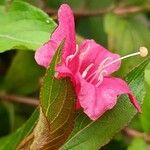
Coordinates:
(93, 135)
(136, 122)
(136, 2)
(92, 28)
(2, 2)
(115, 145)
(10, 142)
(125, 36)
(81, 5)
(23, 76)
(4, 119)
(11, 114)
(138, 144)
(147, 74)
(24, 27)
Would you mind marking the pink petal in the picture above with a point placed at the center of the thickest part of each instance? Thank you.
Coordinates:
(96, 102)
(65, 30)
(44, 54)
(63, 71)
(93, 52)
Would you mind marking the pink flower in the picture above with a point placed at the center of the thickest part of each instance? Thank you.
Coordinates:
(89, 66)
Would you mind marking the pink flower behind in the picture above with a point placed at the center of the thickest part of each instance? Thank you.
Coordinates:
(89, 66)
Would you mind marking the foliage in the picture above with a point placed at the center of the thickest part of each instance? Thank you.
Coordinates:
(24, 19)
(55, 124)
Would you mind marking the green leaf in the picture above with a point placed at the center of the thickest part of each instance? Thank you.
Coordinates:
(146, 105)
(82, 5)
(23, 76)
(2, 2)
(125, 36)
(136, 2)
(56, 118)
(11, 114)
(147, 74)
(94, 29)
(93, 135)
(5, 121)
(138, 144)
(24, 27)
(10, 142)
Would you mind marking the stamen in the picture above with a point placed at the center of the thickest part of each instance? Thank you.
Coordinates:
(101, 77)
(85, 51)
(70, 57)
(86, 70)
(143, 52)
(98, 71)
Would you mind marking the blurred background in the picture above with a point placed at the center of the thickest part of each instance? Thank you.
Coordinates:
(122, 26)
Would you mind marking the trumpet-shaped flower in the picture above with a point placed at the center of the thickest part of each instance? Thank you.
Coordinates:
(89, 66)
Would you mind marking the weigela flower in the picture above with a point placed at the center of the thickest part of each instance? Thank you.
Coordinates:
(89, 66)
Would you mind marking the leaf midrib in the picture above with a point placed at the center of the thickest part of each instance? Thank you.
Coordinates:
(16, 39)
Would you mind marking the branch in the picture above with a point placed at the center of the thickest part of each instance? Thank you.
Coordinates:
(19, 99)
(133, 133)
(83, 13)
(121, 10)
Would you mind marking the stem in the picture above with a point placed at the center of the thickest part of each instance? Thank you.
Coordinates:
(19, 99)
(133, 133)
(120, 10)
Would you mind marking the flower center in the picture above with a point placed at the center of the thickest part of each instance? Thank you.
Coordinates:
(99, 74)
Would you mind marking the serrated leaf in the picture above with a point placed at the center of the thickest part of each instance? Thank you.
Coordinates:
(56, 119)
(145, 116)
(93, 135)
(24, 27)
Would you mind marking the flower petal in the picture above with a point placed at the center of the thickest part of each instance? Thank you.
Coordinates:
(93, 52)
(63, 71)
(96, 102)
(86, 98)
(65, 30)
